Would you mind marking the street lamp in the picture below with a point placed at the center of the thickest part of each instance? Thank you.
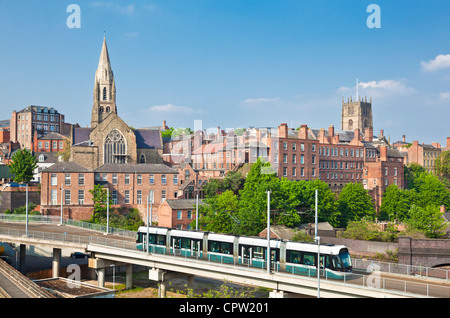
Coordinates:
(317, 239)
(62, 197)
(268, 231)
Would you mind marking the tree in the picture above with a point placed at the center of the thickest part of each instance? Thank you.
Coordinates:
(443, 167)
(429, 220)
(218, 214)
(430, 191)
(396, 203)
(23, 165)
(354, 203)
(99, 197)
(253, 202)
(412, 171)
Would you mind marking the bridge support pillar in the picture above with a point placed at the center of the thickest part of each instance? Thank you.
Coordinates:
(56, 263)
(129, 277)
(101, 272)
(22, 258)
(162, 277)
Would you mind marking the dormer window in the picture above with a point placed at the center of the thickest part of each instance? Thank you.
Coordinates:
(41, 158)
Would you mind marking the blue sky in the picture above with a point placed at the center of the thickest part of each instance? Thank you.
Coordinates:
(234, 63)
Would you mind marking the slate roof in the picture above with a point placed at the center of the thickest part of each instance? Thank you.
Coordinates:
(148, 139)
(184, 204)
(138, 168)
(67, 167)
(81, 135)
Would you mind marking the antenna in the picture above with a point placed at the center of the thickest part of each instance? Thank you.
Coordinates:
(357, 88)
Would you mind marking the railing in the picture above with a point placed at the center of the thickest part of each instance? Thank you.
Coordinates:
(20, 218)
(370, 281)
(400, 269)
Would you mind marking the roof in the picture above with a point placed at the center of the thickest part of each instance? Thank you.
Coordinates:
(183, 204)
(53, 136)
(148, 139)
(132, 168)
(39, 109)
(67, 167)
(81, 135)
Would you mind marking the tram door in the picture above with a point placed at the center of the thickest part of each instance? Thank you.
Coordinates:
(246, 254)
(322, 265)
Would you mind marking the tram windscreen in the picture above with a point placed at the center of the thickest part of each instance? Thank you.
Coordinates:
(345, 258)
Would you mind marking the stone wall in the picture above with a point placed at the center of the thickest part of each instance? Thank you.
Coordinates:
(14, 198)
(424, 252)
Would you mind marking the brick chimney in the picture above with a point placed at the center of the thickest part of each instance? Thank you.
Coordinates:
(448, 142)
(368, 134)
(381, 134)
(283, 131)
(331, 132)
(383, 153)
(404, 138)
(303, 132)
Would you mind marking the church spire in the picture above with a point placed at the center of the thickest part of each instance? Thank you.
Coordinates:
(104, 88)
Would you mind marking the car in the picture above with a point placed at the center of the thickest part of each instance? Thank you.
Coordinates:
(78, 255)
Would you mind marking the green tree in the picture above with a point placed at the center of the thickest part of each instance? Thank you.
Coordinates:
(253, 198)
(430, 191)
(429, 220)
(412, 171)
(218, 214)
(354, 203)
(396, 204)
(23, 165)
(99, 197)
(442, 164)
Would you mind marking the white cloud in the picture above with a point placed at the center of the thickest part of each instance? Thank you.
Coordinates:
(381, 88)
(169, 108)
(257, 101)
(445, 96)
(440, 62)
(124, 9)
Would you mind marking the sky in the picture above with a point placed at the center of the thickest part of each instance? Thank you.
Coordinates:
(234, 63)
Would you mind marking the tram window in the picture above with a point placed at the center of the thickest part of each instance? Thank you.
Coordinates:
(160, 240)
(220, 247)
(309, 259)
(295, 257)
(258, 252)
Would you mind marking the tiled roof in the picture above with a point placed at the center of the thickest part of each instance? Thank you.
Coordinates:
(67, 167)
(132, 168)
(183, 204)
(148, 139)
(81, 135)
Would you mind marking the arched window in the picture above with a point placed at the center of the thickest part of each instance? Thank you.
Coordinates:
(142, 159)
(350, 124)
(115, 148)
(108, 109)
(101, 109)
(105, 91)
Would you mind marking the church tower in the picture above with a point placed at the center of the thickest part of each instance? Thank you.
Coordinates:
(356, 114)
(104, 89)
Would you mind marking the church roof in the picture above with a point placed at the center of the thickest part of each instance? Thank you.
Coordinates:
(81, 134)
(148, 139)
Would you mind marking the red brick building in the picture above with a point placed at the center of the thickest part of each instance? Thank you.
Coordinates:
(129, 186)
(178, 213)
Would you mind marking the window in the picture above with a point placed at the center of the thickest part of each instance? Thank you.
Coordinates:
(175, 179)
(313, 161)
(139, 179)
(179, 215)
(105, 93)
(163, 179)
(67, 197)
(294, 158)
(189, 215)
(80, 197)
(313, 147)
(294, 172)
(54, 197)
(47, 145)
(139, 196)
(114, 196)
(81, 179)
(302, 159)
(67, 179)
(302, 147)
(127, 179)
(40, 144)
(115, 179)
(151, 179)
(395, 171)
(284, 172)
(127, 196)
(294, 146)
(285, 146)
(284, 158)
(115, 148)
(163, 196)
(54, 179)
(61, 145)
(142, 159)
